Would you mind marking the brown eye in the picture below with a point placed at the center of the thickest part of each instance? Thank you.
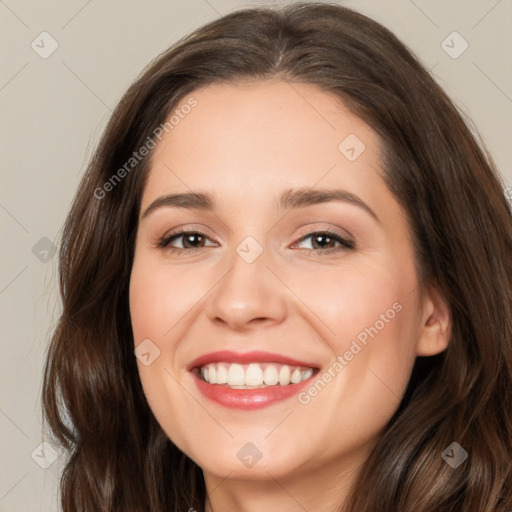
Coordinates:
(191, 240)
(323, 241)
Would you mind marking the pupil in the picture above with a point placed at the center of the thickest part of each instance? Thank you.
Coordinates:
(320, 237)
(190, 238)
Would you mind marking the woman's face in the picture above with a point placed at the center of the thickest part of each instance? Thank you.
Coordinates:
(323, 327)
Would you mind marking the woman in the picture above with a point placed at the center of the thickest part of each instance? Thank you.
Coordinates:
(260, 367)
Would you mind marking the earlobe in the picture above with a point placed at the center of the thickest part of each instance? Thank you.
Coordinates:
(435, 326)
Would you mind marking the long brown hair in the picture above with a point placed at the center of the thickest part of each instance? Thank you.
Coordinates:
(461, 223)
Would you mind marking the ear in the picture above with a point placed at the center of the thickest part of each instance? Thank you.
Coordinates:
(435, 326)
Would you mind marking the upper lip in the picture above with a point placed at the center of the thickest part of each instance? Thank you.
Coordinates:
(254, 356)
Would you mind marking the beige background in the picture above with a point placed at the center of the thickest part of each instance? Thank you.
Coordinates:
(53, 110)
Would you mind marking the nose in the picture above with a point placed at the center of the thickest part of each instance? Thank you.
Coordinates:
(248, 295)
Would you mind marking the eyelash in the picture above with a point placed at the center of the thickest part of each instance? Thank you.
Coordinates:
(346, 245)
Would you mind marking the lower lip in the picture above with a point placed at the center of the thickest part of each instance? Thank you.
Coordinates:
(248, 399)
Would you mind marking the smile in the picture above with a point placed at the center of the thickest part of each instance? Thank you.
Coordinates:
(249, 380)
(253, 375)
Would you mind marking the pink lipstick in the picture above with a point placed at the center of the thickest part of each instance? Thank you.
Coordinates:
(250, 380)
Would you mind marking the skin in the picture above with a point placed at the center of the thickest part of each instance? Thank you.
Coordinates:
(244, 144)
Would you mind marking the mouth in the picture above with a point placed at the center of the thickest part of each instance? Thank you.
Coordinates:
(253, 375)
(250, 380)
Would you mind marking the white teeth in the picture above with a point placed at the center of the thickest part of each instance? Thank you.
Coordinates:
(270, 376)
(296, 376)
(306, 374)
(284, 375)
(236, 375)
(222, 374)
(212, 373)
(254, 375)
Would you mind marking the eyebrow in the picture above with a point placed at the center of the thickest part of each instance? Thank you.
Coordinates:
(290, 199)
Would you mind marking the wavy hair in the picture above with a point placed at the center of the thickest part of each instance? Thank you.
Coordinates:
(118, 457)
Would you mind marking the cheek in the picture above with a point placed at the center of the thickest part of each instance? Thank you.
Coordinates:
(156, 308)
(369, 322)
(159, 298)
(361, 302)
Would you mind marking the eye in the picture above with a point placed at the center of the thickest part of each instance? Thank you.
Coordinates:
(322, 242)
(325, 240)
(191, 241)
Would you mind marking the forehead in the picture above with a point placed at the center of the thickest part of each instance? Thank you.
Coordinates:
(261, 136)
